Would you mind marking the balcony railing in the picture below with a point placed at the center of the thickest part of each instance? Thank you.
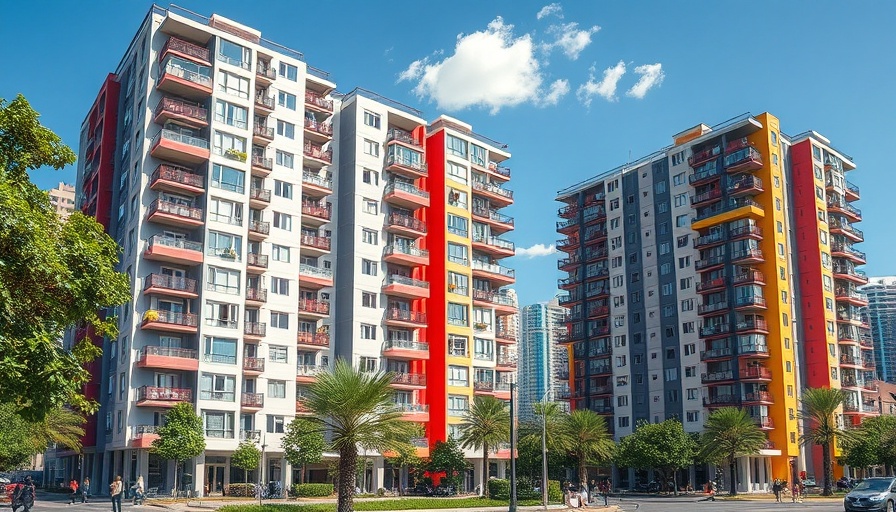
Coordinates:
(843, 205)
(175, 243)
(184, 353)
(318, 152)
(409, 379)
(752, 276)
(705, 155)
(316, 99)
(168, 394)
(494, 269)
(252, 400)
(493, 297)
(752, 325)
(265, 70)
(171, 68)
(182, 108)
(317, 126)
(705, 172)
(413, 408)
(406, 344)
(709, 261)
(836, 224)
(405, 187)
(404, 315)
(263, 100)
(397, 219)
(263, 131)
(261, 161)
(312, 271)
(261, 227)
(176, 174)
(744, 182)
(716, 353)
(744, 231)
(317, 339)
(405, 249)
(253, 364)
(179, 210)
(749, 301)
(499, 169)
(402, 136)
(316, 241)
(397, 159)
(706, 196)
(170, 317)
(717, 376)
(758, 396)
(405, 280)
(257, 260)
(317, 210)
(250, 435)
(260, 194)
(312, 178)
(753, 349)
(712, 238)
(167, 282)
(256, 294)
(755, 372)
(492, 188)
(310, 370)
(713, 330)
(840, 247)
(319, 307)
(494, 242)
(186, 48)
(175, 136)
(710, 308)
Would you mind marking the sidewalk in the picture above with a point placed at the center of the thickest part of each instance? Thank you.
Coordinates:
(212, 504)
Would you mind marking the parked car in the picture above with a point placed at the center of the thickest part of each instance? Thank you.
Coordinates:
(845, 483)
(878, 494)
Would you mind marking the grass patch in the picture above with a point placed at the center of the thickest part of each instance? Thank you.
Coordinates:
(386, 504)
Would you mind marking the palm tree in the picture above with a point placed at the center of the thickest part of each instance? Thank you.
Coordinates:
(357, 408)
(818, 408)
(729, 433)
(584, 434)
(60, 426)
(486, 424)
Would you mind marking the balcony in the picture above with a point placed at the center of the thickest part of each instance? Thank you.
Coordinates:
(709, 262)
(409, 381)
(405, 195)
(181, 148)
(842, 228)
(408, 167)
(317, 154)
(486, 387)
(254, 330)
(185, 79)
(259, 198)
(744, 185)
(406, 350)
(171, 249)
(755, 350)
(498, 171)
(318, 131)
(174, 214)
(706, 309)
(180, 111)
(161, 320)
(307, 373)
(316, 185)
(752, 232)
(751, 277)
(501, 302)
(142, 436)
(705, 174)
(402, 137)
(162, 284)
(185, 49)
(764, 422)
(495, 273)
(404, 318)
(265, 73)
(177, 179)
(710, 331)
(851, 408)
(417, 413)
(568, 264)
(256, 296)
(316, 214)
(709, 285)
(499, 222)
(757, 398)
(312, 340)
(404, 286)
(405, 225)
(496, 194)
(701, 157)
(569, 245)
(714, 238)
(506, 362)
(852, 192)
(149, 396)
(403, 254)
(850, 296)
(855, 362)
(848, 272)
(313, 309)
(752, 302)
(567, 226)
(722, 376)
(250, 435)
(493, 245)
(841, 250)
(261, 166)
(736, 208)
(598, 311)
(840, 206)
(747, 256)
(263, 102)
(262, 134)
(752, 326)
(705, 197)
(259, 230)
(256, 263)
(168, 358)
(315, 277)
(853, 319)
(314, 245)
(716, 354)
(504, 336)
(721, 401)
(252, 401)
(743, 160)
(317, 102)
(755, 373)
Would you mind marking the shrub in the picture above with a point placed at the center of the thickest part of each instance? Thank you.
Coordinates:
(241, 490)
(555, 493)
(498, 489)
(525, 489)
(312, 490)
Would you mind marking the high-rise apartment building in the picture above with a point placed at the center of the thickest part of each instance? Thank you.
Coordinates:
(543, 369)
(270, 225)
(62, 198)
(880, 292)
(692, 277)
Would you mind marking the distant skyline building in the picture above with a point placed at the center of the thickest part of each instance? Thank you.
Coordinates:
(543, 362)
(881, 315)
(63, 199)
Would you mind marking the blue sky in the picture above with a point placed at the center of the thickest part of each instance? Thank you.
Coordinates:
(537, 84)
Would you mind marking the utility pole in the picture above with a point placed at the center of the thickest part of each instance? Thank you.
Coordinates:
(512, 449)
(261, 470)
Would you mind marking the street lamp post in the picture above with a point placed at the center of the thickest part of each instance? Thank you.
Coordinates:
(512, 451)
(261, 470)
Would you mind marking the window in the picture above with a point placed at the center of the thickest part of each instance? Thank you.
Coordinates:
(232, 115)
(623, 421)
(285, 129)
(456, 172)
(368, 267)
(659, 187)
(458, 314)
(371, 148)
(370, 177)
(223, 280)
(276, 389)
(228, 178)
(622, 380)
(368, 332)
(457, 345)
(692, 416)
(225, 245)
(279, 286)
(220, 314)
(685, 283)
(369, 236)
(276, 424)
(234, 54)
(688, 327)
(667, 289)
(233, 84)
(279, 320)
(218, 424)
(682, 221)
(457, 254)
(456, 146)
(371, 206)
(684, 262)
(622, 401)
(278, 354)
(678, 179)
(225, 142)
(280, 253)
(677, 159)
(368, 300)
(227, 212)
(285, 159)
(371, 119)
(620, 361)
(289, 72)
(285, 99)
(457, 225)
(457, 405)
(220, 350)
(283, 221)
(665, 247)
(283, 189)
(458, 376)
(681, 200)
(458, 283)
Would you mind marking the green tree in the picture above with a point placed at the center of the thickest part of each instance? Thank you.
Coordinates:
(664, 446)
(357, 408)
(529, 449)
(303, 443)
(872, 445)
(447, 457)
(53, 275)
(181, 437)
(21, 439)
(818, 408)
(246, 457)
(15, 434)
(730, 433)
(403, 456)
(584, 436)
(485, 424)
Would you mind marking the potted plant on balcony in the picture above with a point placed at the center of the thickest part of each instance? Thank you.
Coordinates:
(480, 326)
(230, 252)
(151, 315)
(452, 287)
(236, 154)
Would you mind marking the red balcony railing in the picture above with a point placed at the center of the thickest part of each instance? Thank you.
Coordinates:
(182, 108)
(184, 47)
(314, 306)
(318, 152)
(316, 241)
(158, 393)
(316, 99)
(319, 339)
(405, 315)
(317, 210)
(179, 210)
(167, 282)
(177, 174)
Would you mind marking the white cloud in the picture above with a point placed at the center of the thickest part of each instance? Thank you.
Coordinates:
(571, 39)
(551, 9)
(490, 68)
(536, 251)
(651, 76)
(557, 90)
(606, 88)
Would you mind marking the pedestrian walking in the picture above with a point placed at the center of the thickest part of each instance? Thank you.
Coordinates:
(85, 489)
(776, 488)
(73, 485)
(115, 489)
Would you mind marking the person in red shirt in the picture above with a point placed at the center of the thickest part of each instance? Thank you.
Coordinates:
(73, 485)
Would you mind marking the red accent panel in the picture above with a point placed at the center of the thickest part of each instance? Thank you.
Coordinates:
(436, 310)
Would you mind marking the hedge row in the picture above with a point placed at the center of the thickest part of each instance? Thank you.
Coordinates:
(312, 490)
(380, 505)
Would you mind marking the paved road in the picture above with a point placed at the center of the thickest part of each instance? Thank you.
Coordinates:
(692, 505)
(55, 501)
